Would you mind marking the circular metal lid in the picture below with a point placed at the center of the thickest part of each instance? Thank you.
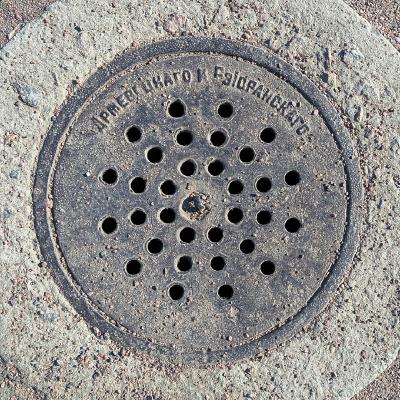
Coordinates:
(202, 195)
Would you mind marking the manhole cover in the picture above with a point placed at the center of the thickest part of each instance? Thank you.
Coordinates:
(195, 198)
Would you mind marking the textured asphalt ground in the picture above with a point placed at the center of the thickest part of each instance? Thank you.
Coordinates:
(384, 15)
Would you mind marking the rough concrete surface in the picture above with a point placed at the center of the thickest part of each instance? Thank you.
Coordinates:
(47, 350)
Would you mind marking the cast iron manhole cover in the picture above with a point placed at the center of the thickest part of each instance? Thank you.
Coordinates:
(197, 198)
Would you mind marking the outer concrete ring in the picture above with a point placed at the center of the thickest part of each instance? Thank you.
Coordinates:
(56, 135)
(355, 338)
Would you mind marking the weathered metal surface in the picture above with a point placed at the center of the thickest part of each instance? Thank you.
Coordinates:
(196, 199)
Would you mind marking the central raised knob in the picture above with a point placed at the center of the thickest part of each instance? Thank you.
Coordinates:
(196, 206)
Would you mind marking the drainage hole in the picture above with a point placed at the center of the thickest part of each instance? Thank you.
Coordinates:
(133, 267)
(138, 217)
(167, 215)
(235, 215)
(218, 138)
(176, 109)
(133, 134)
(264, 217)
(155, 246)
(184, 138)
(215, 168)
(154, 155)
(263, 185)
(109, 225)
(215, 234)
(138, 185)
(187, 235)
(292, 225)
(225, 292)
(268, 135)
(176, 292)
(168, 188)
(246, 155)
(225, 110)
(247, 246)
(217, 263)
(188, 168)
(235, 187)
(109, 176)
(184, 263)
(292, 178)
(267, 267)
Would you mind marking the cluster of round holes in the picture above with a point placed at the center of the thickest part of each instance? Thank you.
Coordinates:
(186, 235)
